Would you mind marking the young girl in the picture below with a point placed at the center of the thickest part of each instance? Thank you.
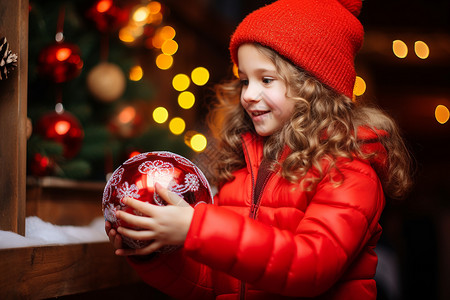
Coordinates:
(301, 171)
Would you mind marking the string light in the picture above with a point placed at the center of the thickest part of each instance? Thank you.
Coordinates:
(160, 115)
(198, 142)
(200, 76)
(177, 125)
(442, 114)
(169, 47)
(180, 82)
(421, 49)
(360, 86)
(164, 61)
(186, 100)
(136, 73)
(400, 49)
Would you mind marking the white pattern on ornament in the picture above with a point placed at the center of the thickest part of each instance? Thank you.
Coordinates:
(127, 190)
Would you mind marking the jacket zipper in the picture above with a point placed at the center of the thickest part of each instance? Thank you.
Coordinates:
(257, 189)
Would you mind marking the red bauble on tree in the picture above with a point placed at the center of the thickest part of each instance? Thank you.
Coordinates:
(63, 128)
(107, 16)
(136, 178)
(60, 62)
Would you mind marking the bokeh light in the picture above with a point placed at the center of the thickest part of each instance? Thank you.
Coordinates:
(360, 86)
(186, 100)
(169, 47)
(198, 142)
(400, 49)
(167, 32)
(442, 114)
(177, 125)
(180, 82)
(164, 61)
(136, 73)
(200, 76)
(421, 49)
(160, 115)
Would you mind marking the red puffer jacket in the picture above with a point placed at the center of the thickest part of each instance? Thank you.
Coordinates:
(302, 244)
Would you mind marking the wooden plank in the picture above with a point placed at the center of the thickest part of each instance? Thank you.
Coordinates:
(13, 115)
(54, 271)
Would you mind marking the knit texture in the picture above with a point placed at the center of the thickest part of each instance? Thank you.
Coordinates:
(321, 37)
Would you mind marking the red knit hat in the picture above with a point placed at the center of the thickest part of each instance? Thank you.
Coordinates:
(320, 36)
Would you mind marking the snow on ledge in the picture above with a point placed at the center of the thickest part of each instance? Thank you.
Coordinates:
(39, 233)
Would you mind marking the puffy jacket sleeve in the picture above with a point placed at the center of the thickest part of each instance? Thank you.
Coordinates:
(176, 275)
(338, 222)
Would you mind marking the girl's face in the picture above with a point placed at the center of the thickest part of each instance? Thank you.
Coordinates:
(263, 94)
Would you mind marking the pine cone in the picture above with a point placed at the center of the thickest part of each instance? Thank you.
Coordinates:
(8, 60)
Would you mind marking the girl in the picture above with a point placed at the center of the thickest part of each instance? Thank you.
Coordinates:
(301, 171)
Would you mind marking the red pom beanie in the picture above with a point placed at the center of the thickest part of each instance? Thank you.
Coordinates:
(321, 37)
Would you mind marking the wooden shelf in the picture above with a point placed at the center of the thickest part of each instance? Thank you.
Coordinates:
(53, 271)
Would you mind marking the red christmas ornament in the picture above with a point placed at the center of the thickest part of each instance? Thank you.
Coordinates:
(136, 178)
(60, 62)
(63, 128)
(107, 16)
(40, 165)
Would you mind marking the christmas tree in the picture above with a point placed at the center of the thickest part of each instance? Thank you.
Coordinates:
(105, 83)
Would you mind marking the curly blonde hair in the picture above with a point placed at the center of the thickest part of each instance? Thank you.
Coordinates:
(324, 125)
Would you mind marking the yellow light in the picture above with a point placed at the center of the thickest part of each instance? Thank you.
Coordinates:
(442, 114)
(140, 15)
(186, 100)
(360, 86)
(136, 73)
(421, 49)
(236, 71)
(198, 142)
(169, 47)
(177, 125)
(400, 49)
(160, 115)
(167, 33)
(180, 82)
(155, 19)
(154, 7)
(164, 62)
(200, 76)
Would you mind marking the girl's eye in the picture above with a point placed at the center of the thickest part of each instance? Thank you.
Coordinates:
(267, 80)
(244, 81)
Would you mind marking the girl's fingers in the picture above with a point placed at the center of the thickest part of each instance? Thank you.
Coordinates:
(135, 221)
(170, 197)
(143, 235)
(143, 207)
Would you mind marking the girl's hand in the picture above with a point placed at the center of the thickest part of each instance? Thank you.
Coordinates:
(165, 225)
(114, 238)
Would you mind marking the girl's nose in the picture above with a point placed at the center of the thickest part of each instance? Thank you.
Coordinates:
(251, 93)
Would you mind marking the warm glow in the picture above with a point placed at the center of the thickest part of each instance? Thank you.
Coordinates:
(421, 49)
(133, 154)
(400, 49)
(186, 100)
(140, 15)
(200, 76)
(198, 142)
(127, 115)
(360, 86)
(62, 127)
(164, 62)
(181, 82)
(167, 33)
(154, 7)
(169, 47)
(160, 115)
(103, 5)
(177, 126)
(442, 114)
(125, 35)
(63, 54)
(155, 19)
(157, 41)
(236, 70)
(136, 73)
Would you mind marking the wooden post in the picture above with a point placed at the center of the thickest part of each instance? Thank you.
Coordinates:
(13, 115)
